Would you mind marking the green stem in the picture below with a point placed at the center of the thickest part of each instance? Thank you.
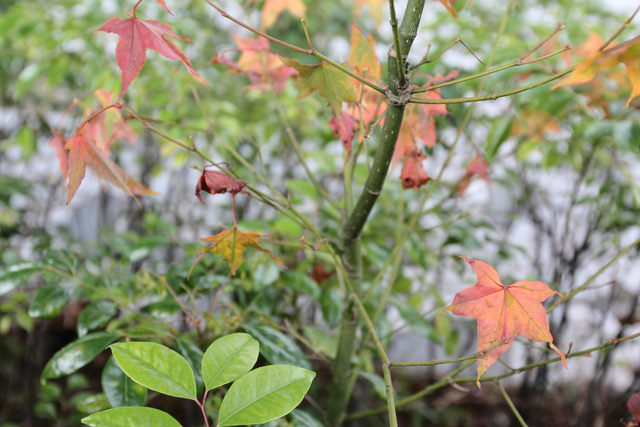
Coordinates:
(402, 80)
(580, 288)
(511, 405)
(407, 400)
(386, 364)
(446, 361)
(352, 259)
(515, 63)
(450, 377)
(300, 156)
(493, 96)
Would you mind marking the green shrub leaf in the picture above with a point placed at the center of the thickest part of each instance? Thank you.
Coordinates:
(129, 417)
(156, 367)
(278, 348)
(77, 354)
(264, 394)
(119, 389)
(228, 358)
(48, 302)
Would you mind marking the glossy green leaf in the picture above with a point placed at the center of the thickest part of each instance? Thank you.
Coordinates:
(48, 302)
(303, 419)
(131, 417)
(193, 355)
(278, 348)
(119, 389)
(228, 358)
(156, 367)
(92, 403)
(264, 394)
(95, 316)
(14, 276)
(77, 354)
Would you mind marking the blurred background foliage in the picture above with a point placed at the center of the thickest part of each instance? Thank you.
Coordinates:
(562, 200)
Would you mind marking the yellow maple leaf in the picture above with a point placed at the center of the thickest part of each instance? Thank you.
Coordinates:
(363, 56)
(627, 53)
(376, 9)
(231, 245)
(273, 8)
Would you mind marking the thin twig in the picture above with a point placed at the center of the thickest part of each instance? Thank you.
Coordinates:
(511, 405)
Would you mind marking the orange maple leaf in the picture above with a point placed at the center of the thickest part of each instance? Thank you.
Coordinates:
(231, 245)
(627, 53)
(273, 8)
(376, 9)
(78, 153)
(263, 67)
(503, 312)
(449, 5)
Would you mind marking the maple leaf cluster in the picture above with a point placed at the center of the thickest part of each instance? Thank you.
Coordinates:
(503, 313)
(90, 145)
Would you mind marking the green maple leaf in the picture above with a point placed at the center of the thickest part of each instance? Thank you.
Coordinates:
(327, 80)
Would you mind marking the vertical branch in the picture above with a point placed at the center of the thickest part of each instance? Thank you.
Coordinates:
(402, 81)
(352, 259)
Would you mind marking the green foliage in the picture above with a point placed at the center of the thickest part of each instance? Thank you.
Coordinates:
(255, 397)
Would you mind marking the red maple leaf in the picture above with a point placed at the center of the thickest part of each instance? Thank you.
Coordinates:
(138, 35)
(216, 182)
(477, 167)
(80, 154)
(344, 126)
(634, 408)
(413, 174)
(503, 312)
(164, 6)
